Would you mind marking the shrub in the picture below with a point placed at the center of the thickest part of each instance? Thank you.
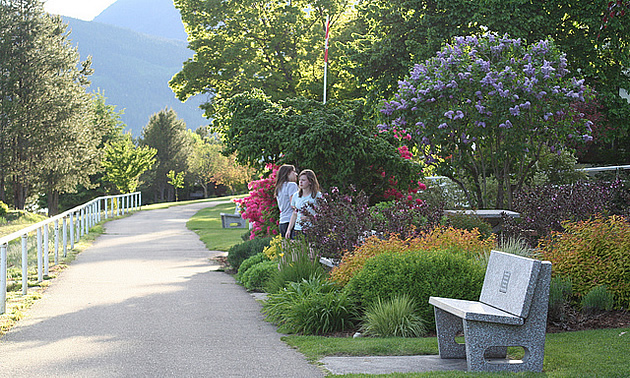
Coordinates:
(544, 208)
(395, 317)
(441, 238)
(339, 222)
(469, 222)
(4, 209)
(354, 261)
(297, 263)
(248, 263)
(257, 276)
(593, 253)
(274, 248)
(260, 206)
(418, 274)
(406, 217)
(312, 306)
(239, 252)
(597, 300)
(560, 292)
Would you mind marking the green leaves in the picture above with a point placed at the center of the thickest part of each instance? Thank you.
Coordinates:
(123, 163)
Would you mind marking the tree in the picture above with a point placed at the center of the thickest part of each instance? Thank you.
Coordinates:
(46, 144)
(240, 45)
(167, 134)
(123, 163)
(332, 139)
(208, 165)
(176, 180)
(394, 35)
(488, 106)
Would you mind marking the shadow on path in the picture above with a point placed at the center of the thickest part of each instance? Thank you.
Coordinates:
(144, 301)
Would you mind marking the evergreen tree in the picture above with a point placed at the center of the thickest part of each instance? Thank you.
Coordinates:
(167, 134)
(46, 142)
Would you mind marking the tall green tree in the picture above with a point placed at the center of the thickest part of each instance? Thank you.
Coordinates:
(47, 145)
(240, 45)
(124, 162)
(168, 135)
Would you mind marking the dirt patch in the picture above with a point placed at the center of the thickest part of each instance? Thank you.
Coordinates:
(577, 321)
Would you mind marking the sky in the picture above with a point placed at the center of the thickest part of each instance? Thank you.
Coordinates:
(81, 9)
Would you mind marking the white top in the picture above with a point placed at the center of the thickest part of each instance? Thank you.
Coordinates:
(298, 203)
(284, 200)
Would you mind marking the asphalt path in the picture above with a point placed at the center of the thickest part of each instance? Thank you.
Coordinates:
(146, 301)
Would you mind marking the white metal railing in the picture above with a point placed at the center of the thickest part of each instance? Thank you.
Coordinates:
(75, 223)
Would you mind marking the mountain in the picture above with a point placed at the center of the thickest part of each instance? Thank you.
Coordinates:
(154, 17)
(133, 71)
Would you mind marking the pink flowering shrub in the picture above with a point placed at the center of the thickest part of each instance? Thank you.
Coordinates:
(260, 207)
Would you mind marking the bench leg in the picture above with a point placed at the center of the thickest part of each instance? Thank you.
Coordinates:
(448, 326)
(485, 341)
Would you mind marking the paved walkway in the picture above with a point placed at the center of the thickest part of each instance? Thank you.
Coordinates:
(145, 301)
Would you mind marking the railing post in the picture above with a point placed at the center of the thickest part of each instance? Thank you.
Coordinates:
(82, 221)
(98, 210)
(105, 204)
(24, 265)
(57, 241)
(46, 251)
(64, 225)
(40, 258)
(117, 206)
(3, 278)
(71, 230)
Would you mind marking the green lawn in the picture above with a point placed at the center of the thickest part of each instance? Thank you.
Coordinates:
(207, 224)
(595, 353)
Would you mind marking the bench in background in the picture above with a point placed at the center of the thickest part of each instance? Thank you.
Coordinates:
(511, 311)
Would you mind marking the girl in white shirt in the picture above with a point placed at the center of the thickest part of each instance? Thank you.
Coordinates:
(284, 189)
(309, 192)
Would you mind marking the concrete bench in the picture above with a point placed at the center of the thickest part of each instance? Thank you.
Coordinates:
(233, 221)
(511, 311)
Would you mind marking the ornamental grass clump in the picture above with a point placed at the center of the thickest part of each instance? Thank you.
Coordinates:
(240, 252)
(313, 306)
(296, 262)
(395, 317)
(593, 253)
(597, 300)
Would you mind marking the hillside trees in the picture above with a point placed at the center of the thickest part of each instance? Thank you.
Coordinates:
(240, 45)
(46, 142)
(168, 135)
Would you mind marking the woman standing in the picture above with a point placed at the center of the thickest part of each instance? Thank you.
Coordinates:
(309, 192)
(284, 190)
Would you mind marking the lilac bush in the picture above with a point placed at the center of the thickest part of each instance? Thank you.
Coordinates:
(487, 106)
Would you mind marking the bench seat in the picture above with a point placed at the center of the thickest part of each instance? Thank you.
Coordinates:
(475, 311)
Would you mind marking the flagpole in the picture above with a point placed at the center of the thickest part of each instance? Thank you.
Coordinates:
(326, 56)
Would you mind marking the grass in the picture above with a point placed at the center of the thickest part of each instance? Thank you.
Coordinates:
(207, 224)
(594, 353)
(17, 220)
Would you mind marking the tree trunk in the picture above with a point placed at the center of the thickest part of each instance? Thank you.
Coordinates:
(19, 197)
(53, 203)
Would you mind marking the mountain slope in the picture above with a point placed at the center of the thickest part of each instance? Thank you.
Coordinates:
(133, 71)
(154, 17)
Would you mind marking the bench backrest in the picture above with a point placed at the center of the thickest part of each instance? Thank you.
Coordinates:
(510, 282)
